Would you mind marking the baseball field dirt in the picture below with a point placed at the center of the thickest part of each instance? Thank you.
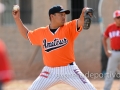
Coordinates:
(24, 84)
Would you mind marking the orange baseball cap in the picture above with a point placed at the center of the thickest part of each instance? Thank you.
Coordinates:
(116, 14)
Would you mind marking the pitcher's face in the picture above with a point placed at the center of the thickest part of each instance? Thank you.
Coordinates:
(59, 18)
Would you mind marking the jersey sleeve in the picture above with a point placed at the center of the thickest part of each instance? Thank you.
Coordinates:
(73, 28)
(5, 67)
(106, 33)
(34, 36)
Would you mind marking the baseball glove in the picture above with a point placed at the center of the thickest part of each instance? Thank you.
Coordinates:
(87, 18)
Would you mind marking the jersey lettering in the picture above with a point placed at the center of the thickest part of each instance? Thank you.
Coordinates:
(56, 43)
(114, 34)
(60, 44)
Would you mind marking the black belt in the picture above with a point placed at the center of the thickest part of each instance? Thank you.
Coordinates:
(71, 63)
(116, 50)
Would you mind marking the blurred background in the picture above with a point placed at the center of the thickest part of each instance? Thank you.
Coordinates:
(26, 60)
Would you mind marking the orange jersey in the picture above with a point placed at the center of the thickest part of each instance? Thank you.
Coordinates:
(57, 48)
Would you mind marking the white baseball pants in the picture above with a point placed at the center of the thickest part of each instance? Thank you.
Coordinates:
(70, 75)
(113, 62)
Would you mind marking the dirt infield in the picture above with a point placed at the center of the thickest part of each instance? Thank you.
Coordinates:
(24, 84)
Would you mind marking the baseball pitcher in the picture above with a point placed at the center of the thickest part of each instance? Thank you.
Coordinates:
(57, 42)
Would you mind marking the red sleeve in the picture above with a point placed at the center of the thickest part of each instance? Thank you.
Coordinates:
(106, 33)
(34, 36)
(3, 58)
(73, 28)
(6, 73)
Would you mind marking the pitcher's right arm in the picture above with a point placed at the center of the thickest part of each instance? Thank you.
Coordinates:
(22, 28)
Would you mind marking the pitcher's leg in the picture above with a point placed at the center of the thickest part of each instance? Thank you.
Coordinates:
(44, 81)
(110, 74)
(79, 81)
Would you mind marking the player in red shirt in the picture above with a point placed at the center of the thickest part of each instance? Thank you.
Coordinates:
(113, 33)
(5, 69)
(57, 42)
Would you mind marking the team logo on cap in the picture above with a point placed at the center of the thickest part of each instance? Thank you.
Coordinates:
(61, 7)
